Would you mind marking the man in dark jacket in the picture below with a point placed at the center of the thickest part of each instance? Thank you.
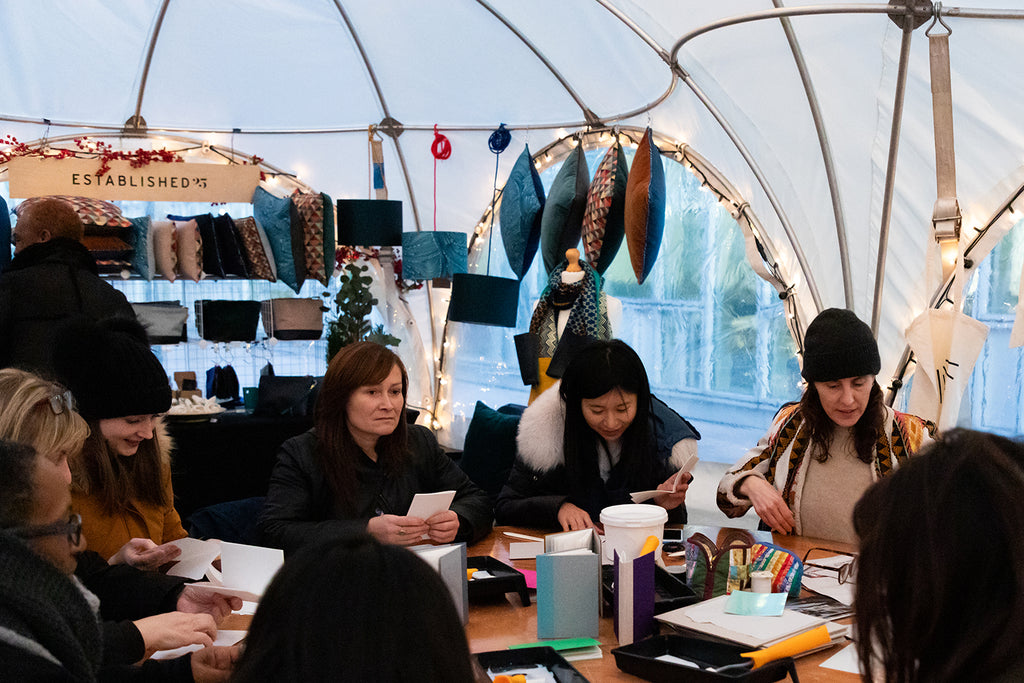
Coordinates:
(51, 278)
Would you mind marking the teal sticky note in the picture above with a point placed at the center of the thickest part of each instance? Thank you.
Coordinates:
(755, 604)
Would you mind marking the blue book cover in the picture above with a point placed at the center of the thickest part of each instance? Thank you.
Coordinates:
(568, 594)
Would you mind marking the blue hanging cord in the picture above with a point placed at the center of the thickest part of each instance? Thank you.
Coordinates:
(497, 143)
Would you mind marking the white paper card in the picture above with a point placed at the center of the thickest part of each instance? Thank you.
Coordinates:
(223, 638)
(641, 496)
(196, 556)
(426, 505)
(525, 551)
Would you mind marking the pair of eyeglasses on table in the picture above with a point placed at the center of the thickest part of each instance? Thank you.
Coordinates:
(840, 561)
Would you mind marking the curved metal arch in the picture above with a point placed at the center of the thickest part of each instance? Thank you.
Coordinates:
(150, 48)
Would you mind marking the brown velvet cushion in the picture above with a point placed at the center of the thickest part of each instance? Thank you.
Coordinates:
(645, 207)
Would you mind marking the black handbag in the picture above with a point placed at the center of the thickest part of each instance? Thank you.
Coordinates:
(282, 395)
(221, 320)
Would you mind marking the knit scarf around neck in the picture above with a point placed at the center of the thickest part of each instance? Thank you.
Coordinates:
(587, 317)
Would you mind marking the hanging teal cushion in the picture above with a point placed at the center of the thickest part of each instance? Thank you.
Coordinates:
(562, 220)
(330, 239)
(604, 222)
(274, 215)
(143, 259)
(645, 207)
(430, 254)
(522, 203)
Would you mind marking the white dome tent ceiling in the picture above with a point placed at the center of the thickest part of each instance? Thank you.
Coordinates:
(298, 82)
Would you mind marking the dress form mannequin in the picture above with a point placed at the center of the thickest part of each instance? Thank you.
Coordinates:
(573, 273)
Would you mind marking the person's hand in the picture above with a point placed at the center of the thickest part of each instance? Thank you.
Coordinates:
(572, 517)
(193, 601)
(214, 664)
(672, 500)
(444, 526)
(397, 529)
(143, 553)
(176, 629)
(768, 504)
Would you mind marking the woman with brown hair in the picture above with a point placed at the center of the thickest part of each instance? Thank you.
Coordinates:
(940, 577)
(361, 464)
(122, 477)
(821, 454)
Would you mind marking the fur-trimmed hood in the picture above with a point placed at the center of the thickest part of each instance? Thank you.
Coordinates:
(542, 430)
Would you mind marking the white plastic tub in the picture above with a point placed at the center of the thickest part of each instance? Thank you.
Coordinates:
(626, 528)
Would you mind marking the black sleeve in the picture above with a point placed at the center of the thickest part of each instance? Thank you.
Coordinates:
(530, 498)
(178, 670)
(126, 592)
(122, 643)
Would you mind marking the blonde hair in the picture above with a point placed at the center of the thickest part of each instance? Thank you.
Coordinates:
(27, 415)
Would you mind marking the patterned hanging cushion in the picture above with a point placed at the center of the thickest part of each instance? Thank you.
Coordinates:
(308, 237)
(143, 258)
(522, 204)
(645, 207)
(91, 211)
(562, 220)
(256, 249)
(604, 218)
(274, 214)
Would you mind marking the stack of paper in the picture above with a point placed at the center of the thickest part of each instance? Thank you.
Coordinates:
(710, 617)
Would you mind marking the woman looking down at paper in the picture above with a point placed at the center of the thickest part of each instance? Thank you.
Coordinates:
(940, 588)
(122, 477)
(592, 439)
(361, 464)
(822, 453)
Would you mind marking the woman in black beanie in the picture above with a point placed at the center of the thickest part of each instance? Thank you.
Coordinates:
(806, 474)
(121, 481)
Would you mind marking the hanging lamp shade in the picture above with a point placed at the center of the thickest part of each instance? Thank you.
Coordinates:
(433, 254)
(484, 300)
(370, 222)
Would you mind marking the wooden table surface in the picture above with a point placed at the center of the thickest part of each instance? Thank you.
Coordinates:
(498, 623)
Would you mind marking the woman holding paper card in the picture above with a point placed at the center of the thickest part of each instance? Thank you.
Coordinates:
(594, 438)
(822, 453)
(360, 466)
(940, 590)
(122, 477)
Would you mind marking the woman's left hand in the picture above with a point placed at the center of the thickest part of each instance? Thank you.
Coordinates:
(672, 500)
(443, 526)
(142, 553)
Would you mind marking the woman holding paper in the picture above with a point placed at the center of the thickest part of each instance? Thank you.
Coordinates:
(822, 453)
(360, 466)
(594, 438)
(122, 477)
(940, 590)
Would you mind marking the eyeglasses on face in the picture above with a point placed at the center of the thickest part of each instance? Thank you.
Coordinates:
(72, 527)
(847, 571)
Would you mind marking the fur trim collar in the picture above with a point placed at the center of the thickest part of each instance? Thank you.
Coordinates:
(541, 431)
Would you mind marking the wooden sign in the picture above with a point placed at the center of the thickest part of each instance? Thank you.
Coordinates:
(156, 181)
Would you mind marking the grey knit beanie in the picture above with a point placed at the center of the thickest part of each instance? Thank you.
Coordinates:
(838, 344)
(110, 369)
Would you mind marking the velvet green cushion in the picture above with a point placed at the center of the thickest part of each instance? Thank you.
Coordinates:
(143, 258)
(490, 447)
(274, 215)
(645, 207)
(562, 220)
(522, 204)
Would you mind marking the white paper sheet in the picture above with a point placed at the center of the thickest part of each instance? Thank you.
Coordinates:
(641, 496)
(525, 551)
(196, 556)
(223, 638)
(425, 505)
(246, 570)
(844, 660)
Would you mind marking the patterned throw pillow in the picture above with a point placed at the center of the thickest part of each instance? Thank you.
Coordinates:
(91, 211)
(165, 249)
(308, 236)
(604, 218)
(562, 220)
(143, 258)
(645, 207)
(190, 250)
(256, 249)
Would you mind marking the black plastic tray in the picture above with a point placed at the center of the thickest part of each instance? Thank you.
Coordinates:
(640, 659)
(499, 660)
(669, 592)
(504, 579)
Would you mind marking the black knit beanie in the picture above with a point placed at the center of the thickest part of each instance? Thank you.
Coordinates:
(838, 344)
(110, 369)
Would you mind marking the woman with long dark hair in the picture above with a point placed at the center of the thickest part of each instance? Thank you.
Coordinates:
(805, 475)
(589, 441)
(940, 577)
(361, 464)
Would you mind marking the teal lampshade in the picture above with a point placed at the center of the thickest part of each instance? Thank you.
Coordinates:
(430, 254)
(484, 300)
(370, 222)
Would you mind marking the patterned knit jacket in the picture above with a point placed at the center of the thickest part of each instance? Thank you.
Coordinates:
(781, 457)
